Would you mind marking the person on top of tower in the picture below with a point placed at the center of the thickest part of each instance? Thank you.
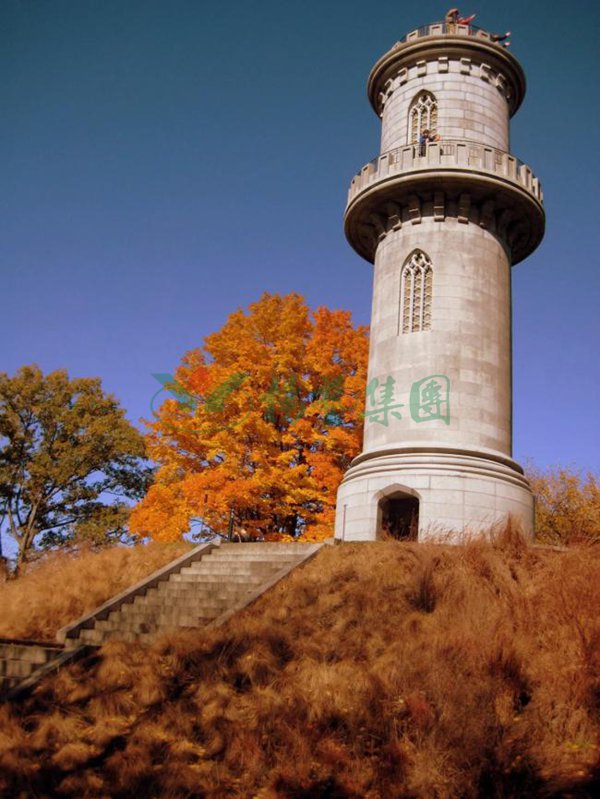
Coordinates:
(453, 19)
(501, 38)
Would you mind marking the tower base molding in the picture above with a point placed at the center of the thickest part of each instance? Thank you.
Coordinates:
(450, 492)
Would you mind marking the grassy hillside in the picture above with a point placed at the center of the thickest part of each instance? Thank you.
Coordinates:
(376, 671)
(62, 587)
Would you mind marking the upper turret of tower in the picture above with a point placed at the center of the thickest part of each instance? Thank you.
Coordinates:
(472, 83)
(445, 94)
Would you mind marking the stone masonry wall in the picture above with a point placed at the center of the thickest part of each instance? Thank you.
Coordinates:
(469, 340)
(471, 101)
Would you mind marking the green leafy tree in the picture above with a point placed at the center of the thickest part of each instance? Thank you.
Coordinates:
(69, 461)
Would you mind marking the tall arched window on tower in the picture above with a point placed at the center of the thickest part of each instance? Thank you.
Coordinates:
(416, 285)
(422, 115)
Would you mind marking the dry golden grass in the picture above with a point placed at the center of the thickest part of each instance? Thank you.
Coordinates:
(60, 588)
(376, 671)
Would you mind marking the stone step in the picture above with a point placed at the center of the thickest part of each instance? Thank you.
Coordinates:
(151, 611)
(133, 611)
(193, 579)
(94, 636)
(199, 588)
(225, 567)
(139, 631)
(150, 625)
(230, 568)
(130, 636)
(163, 627)
(183, 601)
(193, 597)
(17, 668)
(264, 546)
(166, 615)
(231, 555)
(36, 654)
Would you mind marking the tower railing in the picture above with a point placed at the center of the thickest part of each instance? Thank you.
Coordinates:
(441, 28)
(449, 154)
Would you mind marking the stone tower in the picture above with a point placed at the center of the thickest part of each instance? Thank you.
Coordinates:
(443, 222)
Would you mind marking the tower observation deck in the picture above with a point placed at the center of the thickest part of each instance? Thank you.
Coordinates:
(443, 213)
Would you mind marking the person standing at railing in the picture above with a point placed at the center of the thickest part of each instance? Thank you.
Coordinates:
(423, 141)
(426, 138)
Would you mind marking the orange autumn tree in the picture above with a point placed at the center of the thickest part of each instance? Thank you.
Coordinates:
(265, 420)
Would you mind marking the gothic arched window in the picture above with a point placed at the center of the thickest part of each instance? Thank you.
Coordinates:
(416, 284)
(422, 115)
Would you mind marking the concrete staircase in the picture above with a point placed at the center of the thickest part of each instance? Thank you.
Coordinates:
(206, 586)
(197, 594)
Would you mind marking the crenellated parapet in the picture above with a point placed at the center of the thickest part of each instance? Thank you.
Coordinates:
(474, 183)
(446, 154)
(432, 51)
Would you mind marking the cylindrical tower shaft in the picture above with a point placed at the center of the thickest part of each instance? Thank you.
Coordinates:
(443, 213)
(466, 336)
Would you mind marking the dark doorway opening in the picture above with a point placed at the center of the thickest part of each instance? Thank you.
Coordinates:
(399, 517)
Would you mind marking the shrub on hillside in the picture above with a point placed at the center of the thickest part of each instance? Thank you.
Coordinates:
(567, 509)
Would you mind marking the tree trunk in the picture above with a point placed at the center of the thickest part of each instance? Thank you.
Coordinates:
(21, 560)
(24, 545)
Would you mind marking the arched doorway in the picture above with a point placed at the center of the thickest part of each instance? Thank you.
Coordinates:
(398, 516)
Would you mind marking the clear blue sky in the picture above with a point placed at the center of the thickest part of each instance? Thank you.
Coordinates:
(166, 161)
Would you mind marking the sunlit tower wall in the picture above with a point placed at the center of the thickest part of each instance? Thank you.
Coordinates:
(443, 223)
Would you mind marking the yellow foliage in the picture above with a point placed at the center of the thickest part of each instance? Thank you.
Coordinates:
(567, 507)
